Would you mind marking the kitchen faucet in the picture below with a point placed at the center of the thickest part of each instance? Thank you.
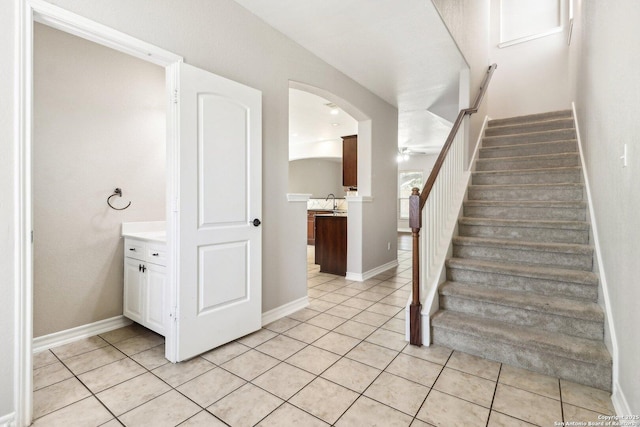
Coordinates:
(335, 205)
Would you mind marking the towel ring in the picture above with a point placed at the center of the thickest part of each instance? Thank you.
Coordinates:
(116, 192)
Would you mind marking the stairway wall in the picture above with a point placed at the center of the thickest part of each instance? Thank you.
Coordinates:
(605, 88)
(536, 70)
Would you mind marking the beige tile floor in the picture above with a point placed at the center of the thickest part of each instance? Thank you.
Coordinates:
(342, 361)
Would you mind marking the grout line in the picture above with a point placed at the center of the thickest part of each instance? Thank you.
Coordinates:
(495, 391)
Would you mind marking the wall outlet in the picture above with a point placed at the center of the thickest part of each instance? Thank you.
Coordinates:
(388, 246)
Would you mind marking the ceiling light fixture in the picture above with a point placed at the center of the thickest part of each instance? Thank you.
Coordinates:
(334, 111)
(335, 124)
(403, 155)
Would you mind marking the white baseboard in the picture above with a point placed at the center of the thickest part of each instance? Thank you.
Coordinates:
(604, 285)
(56, 339)
(361, 277)
(620, 403)
(8, 420)
(284, 310)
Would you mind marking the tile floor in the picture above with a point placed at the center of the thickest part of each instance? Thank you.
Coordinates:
(342, 361)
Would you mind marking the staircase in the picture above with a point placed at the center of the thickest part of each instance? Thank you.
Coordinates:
(520, 286)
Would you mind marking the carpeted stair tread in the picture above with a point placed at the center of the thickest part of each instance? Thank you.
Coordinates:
(528, 138)
(586, 278)
(569, 248)
(536, 148)
(536, 161)
(529, 118)
(531, 157)
(567, 307)
(581, 349)
(544, 191)
(565, 225)
(531, 126)
(542, 171)
(529, 204)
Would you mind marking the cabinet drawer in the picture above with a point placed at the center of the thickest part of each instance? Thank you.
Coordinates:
(134, 249)
(156, 254)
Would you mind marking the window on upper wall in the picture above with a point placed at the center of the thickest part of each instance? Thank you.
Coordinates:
(523, 20)
(406, 181)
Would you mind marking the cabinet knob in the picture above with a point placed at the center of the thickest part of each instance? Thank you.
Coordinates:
(132, 249)
(155, 254)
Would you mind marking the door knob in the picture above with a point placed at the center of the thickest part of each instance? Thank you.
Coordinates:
(256, 222)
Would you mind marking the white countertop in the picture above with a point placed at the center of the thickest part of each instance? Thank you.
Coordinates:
(151, 231)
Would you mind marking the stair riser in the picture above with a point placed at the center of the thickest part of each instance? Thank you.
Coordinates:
(513, 212)
(543, 286)
(525, 163)
(547, 177)
(526, 233)
(529, 127)
(548, 259)
(550, 193)
(527, 138)
(516, 316)
(546, 363)
(532, 118)
(528, 150)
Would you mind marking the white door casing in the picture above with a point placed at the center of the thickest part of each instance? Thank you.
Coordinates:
(219, 248)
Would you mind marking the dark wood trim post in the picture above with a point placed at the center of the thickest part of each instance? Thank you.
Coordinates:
(415, 222)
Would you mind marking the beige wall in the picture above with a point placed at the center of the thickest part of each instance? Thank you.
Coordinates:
(416, 162)
(605, 86)
(8, 252)
(317, 177)
(468, 22)
(99, 123)
(532, 77)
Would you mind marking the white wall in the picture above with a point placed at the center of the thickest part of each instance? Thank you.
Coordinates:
(99, 123)
(317, 177)
(532, 77)
(8, 270)
(604, 70)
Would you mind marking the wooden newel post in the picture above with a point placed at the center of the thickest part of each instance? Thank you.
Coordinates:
(415, 222)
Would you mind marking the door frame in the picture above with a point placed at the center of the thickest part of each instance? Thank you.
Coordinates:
(31, 11)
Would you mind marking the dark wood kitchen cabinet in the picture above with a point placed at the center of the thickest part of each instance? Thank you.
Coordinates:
(331, 244)
(311, 224)
(350, 161)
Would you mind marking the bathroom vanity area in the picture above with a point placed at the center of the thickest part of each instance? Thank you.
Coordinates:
(145, 278)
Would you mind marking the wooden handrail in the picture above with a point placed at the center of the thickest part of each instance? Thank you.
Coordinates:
(417, 201)
(426, 190)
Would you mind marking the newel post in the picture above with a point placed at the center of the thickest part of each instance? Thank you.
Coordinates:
(415, 222)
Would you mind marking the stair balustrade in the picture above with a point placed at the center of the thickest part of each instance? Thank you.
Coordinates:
(436, 207)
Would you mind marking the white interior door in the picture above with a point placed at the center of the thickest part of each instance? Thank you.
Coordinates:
(220, 198)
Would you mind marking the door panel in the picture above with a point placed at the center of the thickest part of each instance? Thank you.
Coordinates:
(219, 255)
(222, 168)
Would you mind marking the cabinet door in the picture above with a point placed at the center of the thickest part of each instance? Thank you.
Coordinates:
(133, 290)
(311, 232)
(156, 281)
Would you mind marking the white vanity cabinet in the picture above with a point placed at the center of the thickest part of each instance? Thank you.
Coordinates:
(145, 283)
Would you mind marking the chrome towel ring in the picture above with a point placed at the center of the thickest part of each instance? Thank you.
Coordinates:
(116, 192)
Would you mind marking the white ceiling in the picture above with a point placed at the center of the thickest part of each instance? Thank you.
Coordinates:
(399, 50)
(313, 130)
